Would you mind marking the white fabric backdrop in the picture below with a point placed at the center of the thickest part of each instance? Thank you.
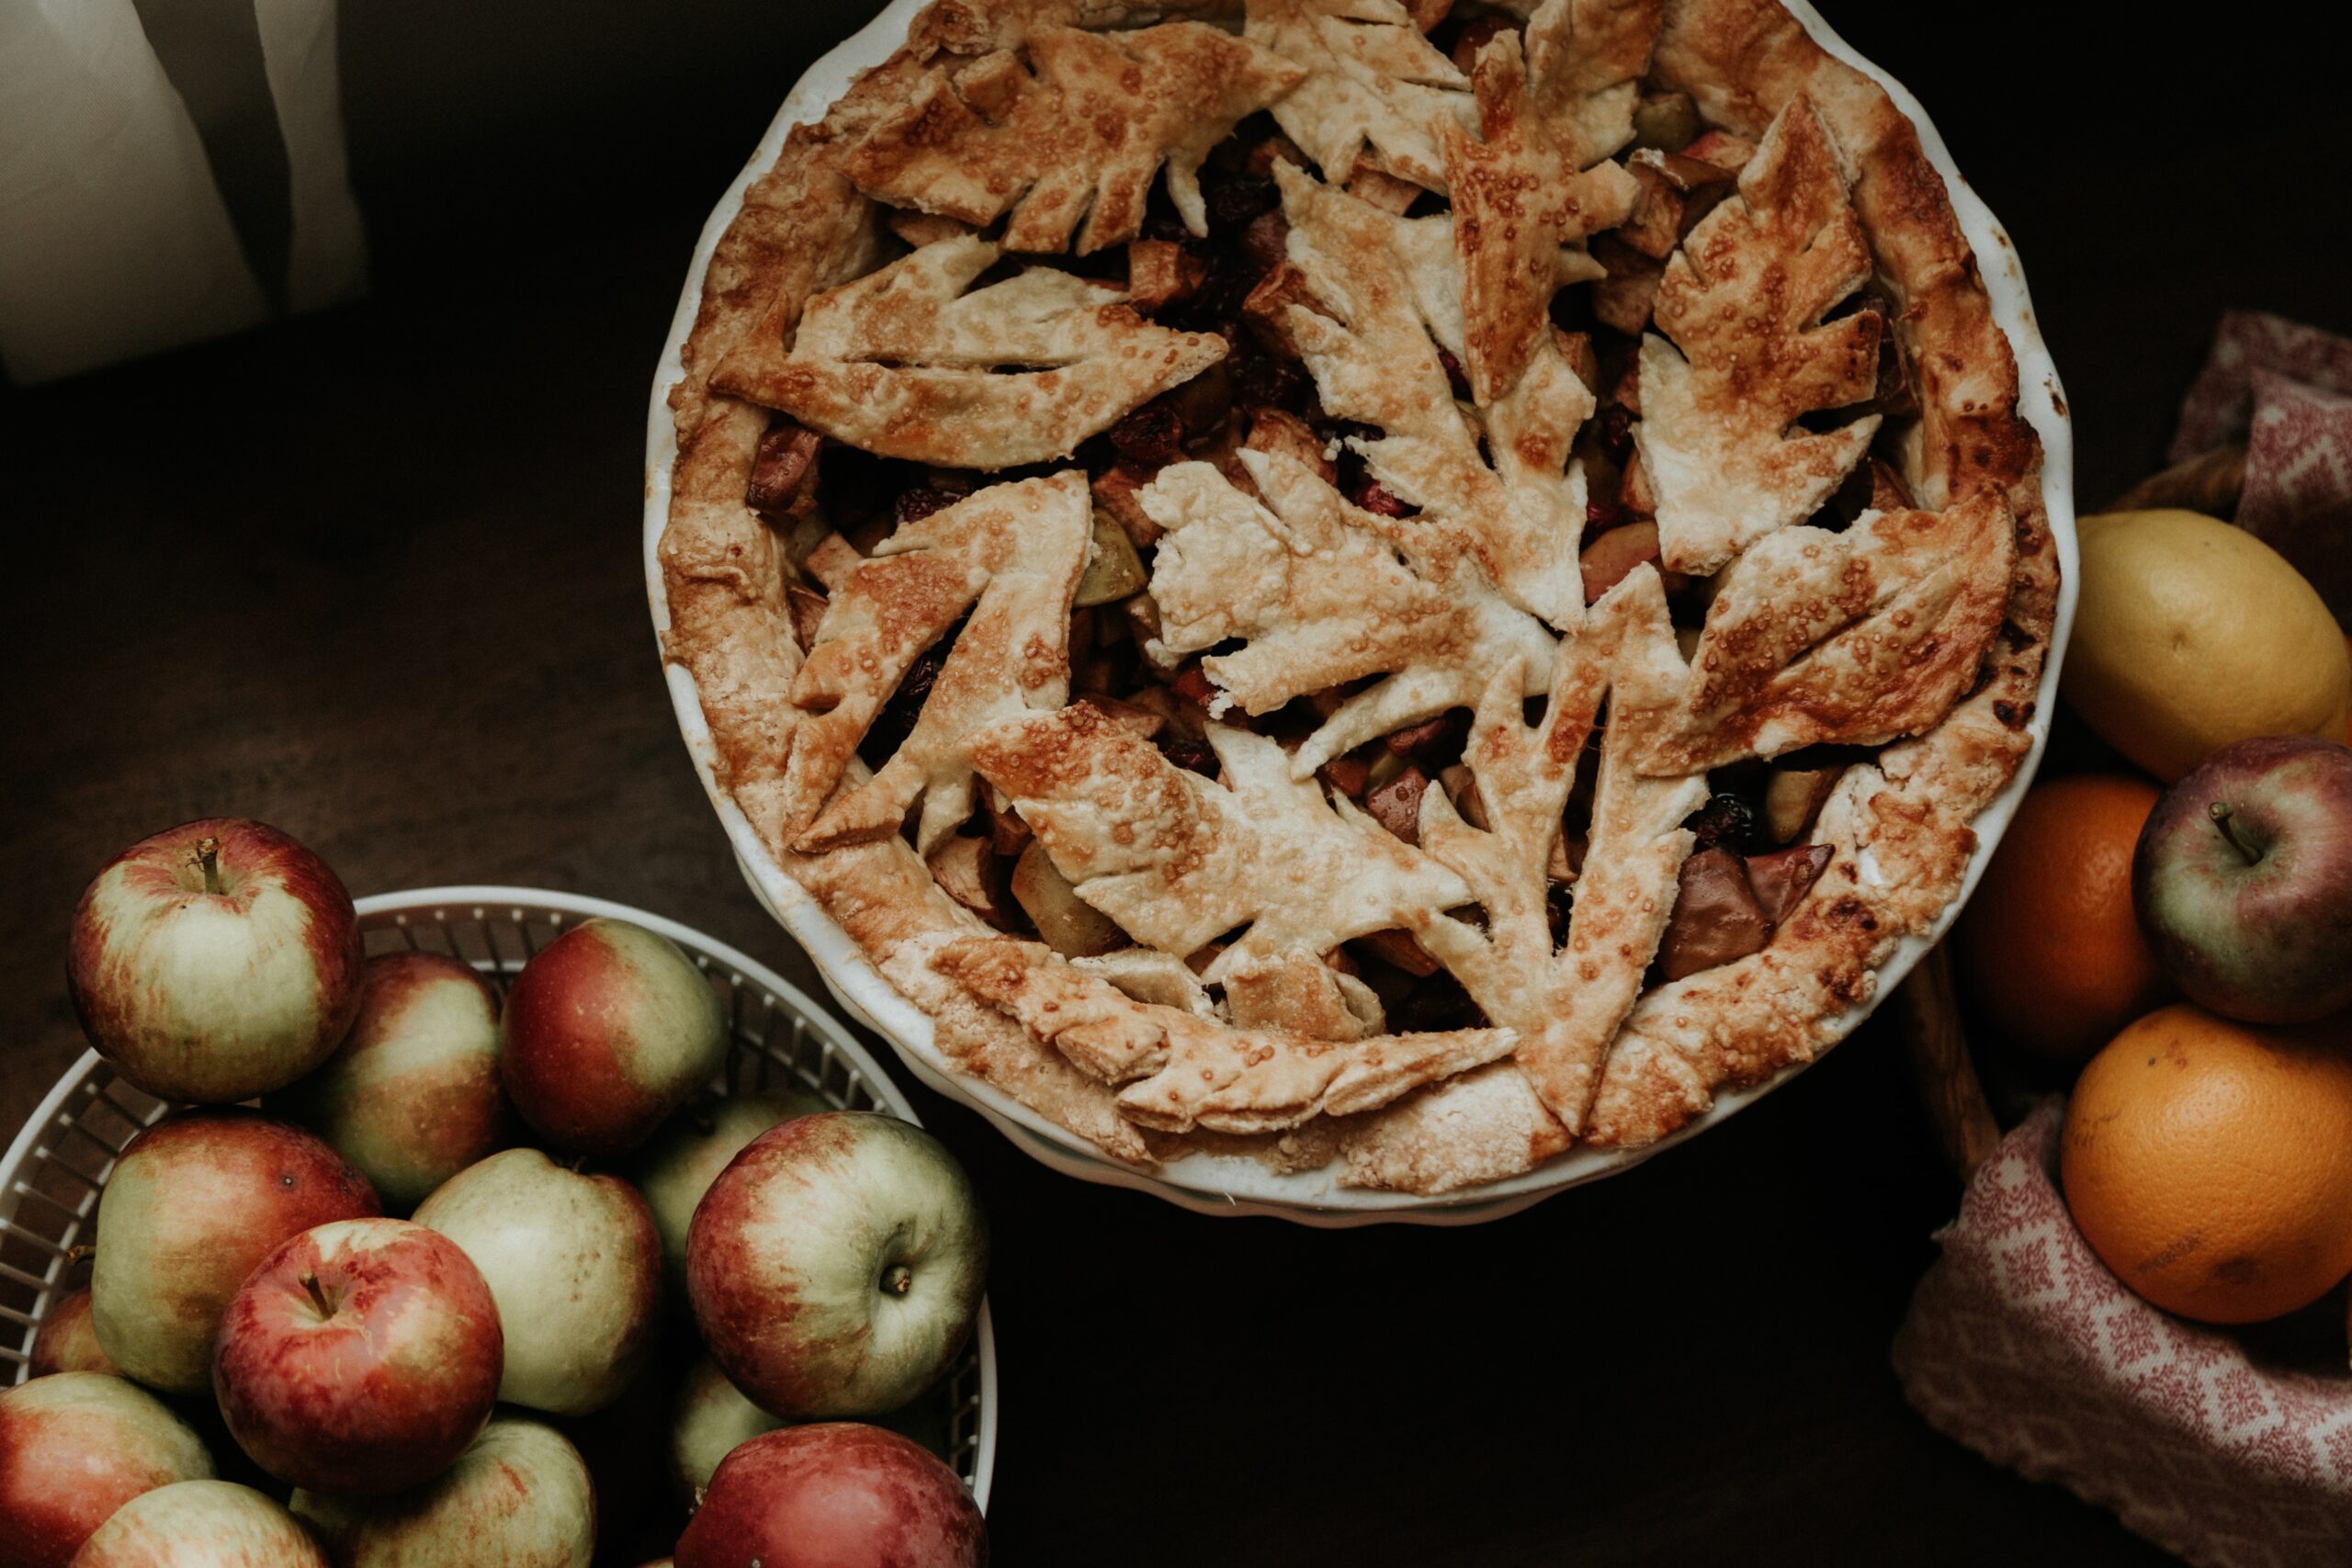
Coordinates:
(114, 241)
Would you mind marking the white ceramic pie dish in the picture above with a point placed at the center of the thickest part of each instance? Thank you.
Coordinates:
(1227, 1185)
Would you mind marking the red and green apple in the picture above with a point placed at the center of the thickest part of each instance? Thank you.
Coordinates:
(195, 1203)
(361, 1357)
(607, 1029)
(411, 1097)
(836, 1266)
(214, 962)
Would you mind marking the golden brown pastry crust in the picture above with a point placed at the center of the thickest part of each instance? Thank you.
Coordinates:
(1745, 351)
(1011, 556)
(1077, 131)
(1375, 91)
(903, 362)
(1900, 830)
(1520, 196)
(1325, 593)
(1743, 61)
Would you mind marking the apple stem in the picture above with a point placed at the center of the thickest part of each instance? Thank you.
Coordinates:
(208, 858)
(897, 1279)
(318, 1296)
(2220, 813)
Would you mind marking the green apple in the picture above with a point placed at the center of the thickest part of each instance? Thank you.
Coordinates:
(678, 1167)
(574, 1264)
(520, 1497)
(201, 1524)
(713, 1420)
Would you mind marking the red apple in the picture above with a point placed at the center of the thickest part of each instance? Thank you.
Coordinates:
(73, 1447)
(838, 1494)
(201, 1524)
(575, 1265)
(2243, 879)
(519, 1497)
(194, 1203)
(67, 1341)
(607, 1029)
(678, 1167)
(411, 1096)
(360, 1357)
(836, 1266)
(214, 962)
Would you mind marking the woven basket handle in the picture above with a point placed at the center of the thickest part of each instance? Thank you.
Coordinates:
(1928, 1012)
(2210, 483)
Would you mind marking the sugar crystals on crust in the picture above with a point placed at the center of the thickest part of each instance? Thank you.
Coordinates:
(1387, 590)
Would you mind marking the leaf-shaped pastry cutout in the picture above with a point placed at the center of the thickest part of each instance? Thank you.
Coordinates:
(903, 362)
(1586, 59)
(1147, 975)
(1567, 1005)
(1744, 299)
(1017, 550)
(1480, 1127)
(1848, 638)
(1325, 593)
(1523, 775)
(1374, 82)
(1178, 860)
(1374, 360)
(1180, 1071)
(1519, 196)
(1081, 137)
(1297, 992)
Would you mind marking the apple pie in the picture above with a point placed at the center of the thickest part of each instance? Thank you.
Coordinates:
(1381, 585)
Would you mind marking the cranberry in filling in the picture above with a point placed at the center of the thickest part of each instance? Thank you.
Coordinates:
(1726, 822)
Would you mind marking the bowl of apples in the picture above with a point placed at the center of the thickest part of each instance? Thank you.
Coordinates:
(472, 1224)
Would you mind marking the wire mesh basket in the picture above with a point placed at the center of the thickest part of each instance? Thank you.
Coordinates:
(60, 1160)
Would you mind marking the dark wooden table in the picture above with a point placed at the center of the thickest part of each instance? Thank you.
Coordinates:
(375, 577)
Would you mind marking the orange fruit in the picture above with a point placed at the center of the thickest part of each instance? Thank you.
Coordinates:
(2209, 1163)
(2048, 947)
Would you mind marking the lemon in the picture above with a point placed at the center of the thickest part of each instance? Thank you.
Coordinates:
(2191, 633)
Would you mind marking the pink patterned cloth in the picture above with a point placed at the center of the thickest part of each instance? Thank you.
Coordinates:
(2022, 1346)
(2220, 402)
(2285, 390)
(2297, 495)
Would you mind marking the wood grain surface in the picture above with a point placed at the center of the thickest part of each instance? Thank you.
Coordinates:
(375, 577)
